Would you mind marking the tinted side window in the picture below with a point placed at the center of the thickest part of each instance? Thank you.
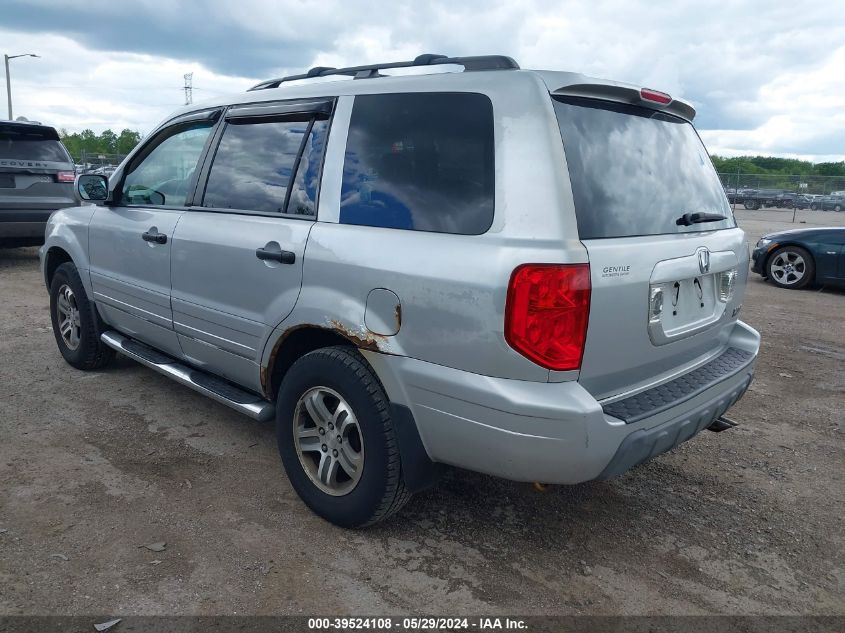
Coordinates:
(421, 161)
(163, 176)
(254, 165)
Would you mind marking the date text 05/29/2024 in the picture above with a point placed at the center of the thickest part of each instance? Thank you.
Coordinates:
(417, 624)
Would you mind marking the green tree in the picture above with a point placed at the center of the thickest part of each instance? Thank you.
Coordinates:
(831, 169)
(107, 143)
(89, 144)
(127, 141)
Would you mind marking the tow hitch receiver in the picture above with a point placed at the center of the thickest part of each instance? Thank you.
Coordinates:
(722, 424)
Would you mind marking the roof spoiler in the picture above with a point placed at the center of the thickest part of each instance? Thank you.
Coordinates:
(629, 94)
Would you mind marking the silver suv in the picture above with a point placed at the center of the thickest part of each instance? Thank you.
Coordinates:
(530, 274)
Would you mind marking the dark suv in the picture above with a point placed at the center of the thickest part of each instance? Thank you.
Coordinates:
(36, 178)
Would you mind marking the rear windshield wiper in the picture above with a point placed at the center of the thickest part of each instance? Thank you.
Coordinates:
(688, 219)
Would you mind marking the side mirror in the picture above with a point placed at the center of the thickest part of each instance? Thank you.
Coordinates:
(92, 187)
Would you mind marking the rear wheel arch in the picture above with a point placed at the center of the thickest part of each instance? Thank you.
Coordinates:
(293, 345)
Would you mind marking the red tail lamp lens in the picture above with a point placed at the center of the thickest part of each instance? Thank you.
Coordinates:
(546, 314)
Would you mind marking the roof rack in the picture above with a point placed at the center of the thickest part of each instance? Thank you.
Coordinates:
(470, 64)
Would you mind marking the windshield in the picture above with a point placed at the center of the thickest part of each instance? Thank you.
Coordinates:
(635, 171)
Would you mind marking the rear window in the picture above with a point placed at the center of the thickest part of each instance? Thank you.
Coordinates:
(31, 143)
(635, 171)
(421, 161)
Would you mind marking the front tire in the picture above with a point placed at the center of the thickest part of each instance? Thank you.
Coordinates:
(336, 439)
(76, 325)
(791, 267)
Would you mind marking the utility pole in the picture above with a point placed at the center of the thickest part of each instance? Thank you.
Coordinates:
(6, 58)
(189, 88)
(8, 86)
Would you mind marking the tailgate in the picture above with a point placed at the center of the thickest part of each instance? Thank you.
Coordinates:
(631, 343)
(667, 262)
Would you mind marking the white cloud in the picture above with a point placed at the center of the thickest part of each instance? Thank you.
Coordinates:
(765, 77)
(75, 88)
(805, 116)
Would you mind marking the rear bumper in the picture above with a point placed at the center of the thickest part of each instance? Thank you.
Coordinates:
(548, 432)
(645, 443)
(23, 223)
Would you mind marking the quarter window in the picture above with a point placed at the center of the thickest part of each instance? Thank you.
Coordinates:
(164, 175)
(253, 168)
(420, 161)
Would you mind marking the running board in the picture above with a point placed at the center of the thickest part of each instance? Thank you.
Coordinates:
(207, 384)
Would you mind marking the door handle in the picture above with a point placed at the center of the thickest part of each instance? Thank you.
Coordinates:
(156, 238)
(284, 257)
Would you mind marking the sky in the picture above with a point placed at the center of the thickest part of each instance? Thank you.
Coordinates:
(766, 77)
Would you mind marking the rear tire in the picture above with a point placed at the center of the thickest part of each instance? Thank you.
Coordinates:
(791, 267)
(837, 208)
(76, 324)
(336, 439)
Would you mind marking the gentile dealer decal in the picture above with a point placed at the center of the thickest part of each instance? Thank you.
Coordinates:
(615, 271)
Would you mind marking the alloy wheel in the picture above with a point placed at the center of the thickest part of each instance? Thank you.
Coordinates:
(788, 268)
(67, 316)
(328, 441)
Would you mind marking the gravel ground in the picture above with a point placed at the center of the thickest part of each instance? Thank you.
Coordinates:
(96, 465)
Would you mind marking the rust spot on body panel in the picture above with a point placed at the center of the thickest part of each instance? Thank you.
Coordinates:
(364, 339)
(397, 312)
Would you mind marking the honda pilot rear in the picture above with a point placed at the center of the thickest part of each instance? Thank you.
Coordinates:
(530, 274)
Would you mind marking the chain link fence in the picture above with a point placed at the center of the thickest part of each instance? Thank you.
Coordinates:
(95, 162)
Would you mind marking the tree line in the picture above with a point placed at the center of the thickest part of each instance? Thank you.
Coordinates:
(90, 144)
(769, 165)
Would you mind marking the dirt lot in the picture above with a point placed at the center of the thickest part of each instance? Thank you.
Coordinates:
(95, 465)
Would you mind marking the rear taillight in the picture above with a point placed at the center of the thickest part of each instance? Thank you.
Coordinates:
(647, 94)
(727, 281)
(547, 311)
(65, 176)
